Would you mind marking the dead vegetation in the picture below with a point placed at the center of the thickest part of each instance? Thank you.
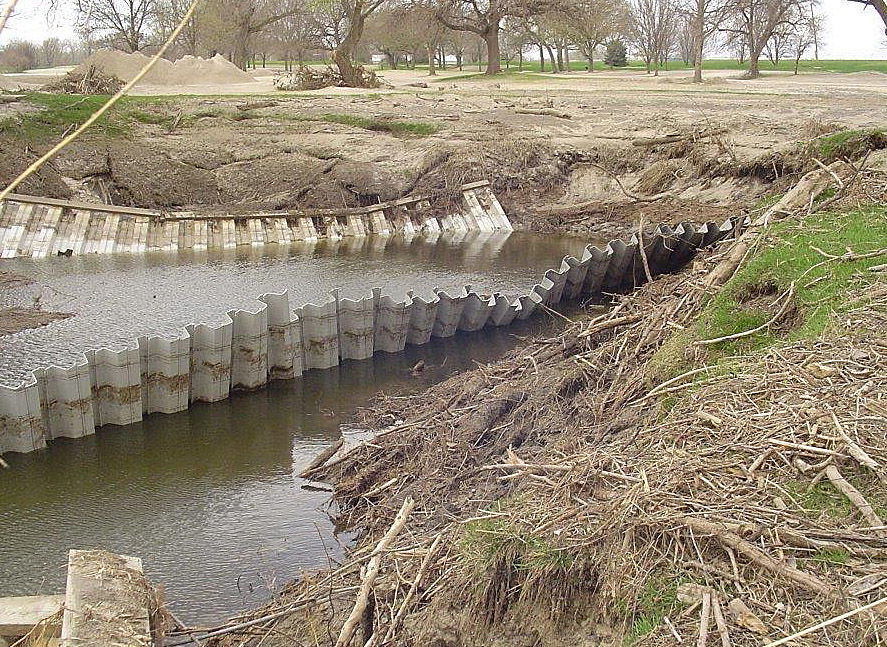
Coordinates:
(89, 81)
(309, 78)
(568, 494)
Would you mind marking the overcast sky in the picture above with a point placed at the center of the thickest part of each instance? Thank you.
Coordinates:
(851, 31)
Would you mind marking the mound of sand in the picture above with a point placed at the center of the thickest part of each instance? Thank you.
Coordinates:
(189, 70)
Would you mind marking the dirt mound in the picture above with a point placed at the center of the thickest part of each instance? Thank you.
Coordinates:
(88, 81)
(190, 70)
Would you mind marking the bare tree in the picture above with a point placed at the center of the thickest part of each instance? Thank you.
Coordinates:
(757, 20)
(349, 33)
(879, 5)
(484, 18)
(706, 16)
(126, 22)
(590, 23)
(654, 25)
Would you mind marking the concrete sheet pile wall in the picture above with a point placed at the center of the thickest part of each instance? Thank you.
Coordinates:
(39, 227)
(204, 363)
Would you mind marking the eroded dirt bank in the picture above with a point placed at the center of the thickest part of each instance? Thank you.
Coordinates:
(702, 458)
(563, 154)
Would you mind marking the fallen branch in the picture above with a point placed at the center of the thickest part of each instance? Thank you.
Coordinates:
(844, 487)
(762, 559)
(372, 571)
(412, 592)
(826, 623)
(547, 112)
(677, 137)
(739, 335)
(322, 458)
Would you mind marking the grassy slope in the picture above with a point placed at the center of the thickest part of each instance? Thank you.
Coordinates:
(822, 287)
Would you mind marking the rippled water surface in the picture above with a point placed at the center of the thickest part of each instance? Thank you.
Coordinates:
(209, 497)
(117, 298)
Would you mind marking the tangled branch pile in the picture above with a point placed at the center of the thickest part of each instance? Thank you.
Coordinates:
(569, 494)
(306, 78)
(89, 81)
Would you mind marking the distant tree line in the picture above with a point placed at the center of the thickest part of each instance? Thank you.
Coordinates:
(438, 33)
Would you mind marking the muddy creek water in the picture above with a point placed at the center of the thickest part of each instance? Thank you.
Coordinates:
(209, 497)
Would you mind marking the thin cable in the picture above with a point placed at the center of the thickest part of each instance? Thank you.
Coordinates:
(98, 113)
(10, 6)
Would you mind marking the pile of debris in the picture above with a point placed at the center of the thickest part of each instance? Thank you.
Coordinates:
(307, 78)
(85, 80)
(574, 493)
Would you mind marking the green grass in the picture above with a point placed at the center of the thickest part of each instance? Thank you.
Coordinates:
(393, 126)
(848, 144)
(823, 499)
(822, 290)
(655, 601)
(59, 112)
(822, 66)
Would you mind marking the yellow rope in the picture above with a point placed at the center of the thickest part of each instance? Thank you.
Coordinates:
(98, 113)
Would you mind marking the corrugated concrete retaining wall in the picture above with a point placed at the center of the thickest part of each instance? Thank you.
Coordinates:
(38, 227)
(204, 363)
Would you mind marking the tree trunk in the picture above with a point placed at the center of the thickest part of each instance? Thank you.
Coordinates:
(541, 58)
(431, 70)
(491, 38)
(560, 58)
(700, 41)
(551, 57)
(567, 57)
(754, 55)
(342, 55)
(241, 41)
(590, 64)
(459, 60)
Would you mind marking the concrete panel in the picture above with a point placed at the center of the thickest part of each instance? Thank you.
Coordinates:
(18, 214)
(423, 316)
(66, 400)
(18, 615)
(21, 423)
(116, 386)
(476, 310)
(575, 280)
(475, 214)
(599, 261)
(166, 373)
(543, 290)
(210, 362)
(284, 338)
(528, 304)
(320, 335)
(504, 310)
(378, 223)
(620, 264)
(689, 238)
(356, 326)
(249, 348)
(47, 232)
(355, 225)
(659, 252)
(558, 280)
(449, 313)
(392, 323)
(107, 601)
(34, 213)
(63, 232)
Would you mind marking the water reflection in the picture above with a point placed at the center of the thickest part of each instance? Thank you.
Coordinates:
(209, 497)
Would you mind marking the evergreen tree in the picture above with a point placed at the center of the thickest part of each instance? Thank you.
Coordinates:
(616, 55)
